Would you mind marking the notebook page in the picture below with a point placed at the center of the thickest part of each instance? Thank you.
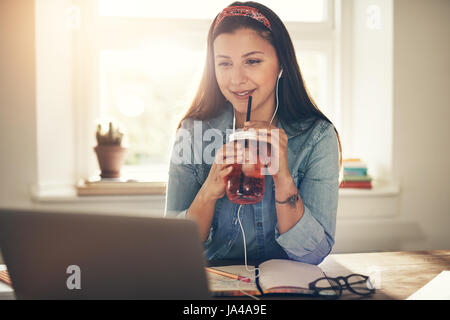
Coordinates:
(218, 283)
(287, 273)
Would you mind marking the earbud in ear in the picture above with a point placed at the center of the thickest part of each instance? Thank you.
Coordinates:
(279, 75)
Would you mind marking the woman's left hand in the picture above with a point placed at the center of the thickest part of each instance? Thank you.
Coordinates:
(279, 141)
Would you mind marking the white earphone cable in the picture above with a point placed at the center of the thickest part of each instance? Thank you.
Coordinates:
(245, 244)
(276, 108)
(240, 206)
(274, 113)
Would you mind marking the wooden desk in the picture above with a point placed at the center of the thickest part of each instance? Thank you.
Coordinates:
(397, 274)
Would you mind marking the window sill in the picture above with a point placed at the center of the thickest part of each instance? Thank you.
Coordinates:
(381, 188)
(68, 193)
(380, 202)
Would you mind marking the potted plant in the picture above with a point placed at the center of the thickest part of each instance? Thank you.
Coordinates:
(109, 150)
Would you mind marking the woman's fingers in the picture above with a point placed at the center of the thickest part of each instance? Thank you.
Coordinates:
(229, 153)
(225, 171)
(267, 132)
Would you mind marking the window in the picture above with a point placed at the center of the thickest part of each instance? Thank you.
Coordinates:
(346, 56)
(143, 61)
(288, 10)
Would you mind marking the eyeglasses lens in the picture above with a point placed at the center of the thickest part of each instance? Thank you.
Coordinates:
(360, 284)
(327, 287)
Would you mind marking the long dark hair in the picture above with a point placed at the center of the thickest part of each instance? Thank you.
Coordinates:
(295, 105)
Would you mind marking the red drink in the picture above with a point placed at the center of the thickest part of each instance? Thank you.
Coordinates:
(245, 188)
(245, 183)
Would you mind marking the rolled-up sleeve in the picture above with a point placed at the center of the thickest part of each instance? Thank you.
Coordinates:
(182, 186)
(181, 190)
(311, 239)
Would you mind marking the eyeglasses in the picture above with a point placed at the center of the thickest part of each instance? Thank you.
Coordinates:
(332, 287)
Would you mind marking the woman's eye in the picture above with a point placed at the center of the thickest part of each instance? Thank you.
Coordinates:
(224, 64)
(253, 61)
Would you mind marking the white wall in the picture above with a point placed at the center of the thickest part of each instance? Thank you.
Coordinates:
(421, 117)
(420, 131)
(421, 157)
(18, 148)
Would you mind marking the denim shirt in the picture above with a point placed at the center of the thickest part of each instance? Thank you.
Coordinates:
(313, 158)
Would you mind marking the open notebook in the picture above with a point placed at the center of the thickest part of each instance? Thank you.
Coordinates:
(275, 276)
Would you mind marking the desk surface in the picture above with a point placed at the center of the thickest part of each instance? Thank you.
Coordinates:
(397, 275)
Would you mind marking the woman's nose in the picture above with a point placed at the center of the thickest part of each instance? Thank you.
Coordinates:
(238, 76)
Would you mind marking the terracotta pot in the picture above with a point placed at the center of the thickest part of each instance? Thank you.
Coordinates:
(110, 160)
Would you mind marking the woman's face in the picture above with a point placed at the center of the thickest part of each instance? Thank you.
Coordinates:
(246, 64)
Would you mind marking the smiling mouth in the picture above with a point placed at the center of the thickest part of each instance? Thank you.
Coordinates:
(243, 94)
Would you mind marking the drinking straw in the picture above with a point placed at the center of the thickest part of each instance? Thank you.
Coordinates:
(249, 111)
(249, 108)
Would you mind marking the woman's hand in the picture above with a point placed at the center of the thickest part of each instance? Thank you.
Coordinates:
(203, 206)
(278, 167)
(214, 186)
(287, 216)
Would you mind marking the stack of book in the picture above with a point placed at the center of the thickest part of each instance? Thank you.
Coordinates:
(355, 175)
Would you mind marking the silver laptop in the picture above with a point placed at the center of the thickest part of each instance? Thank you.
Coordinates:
(55, 255)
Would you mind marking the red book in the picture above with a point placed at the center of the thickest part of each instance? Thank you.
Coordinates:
(356, 184)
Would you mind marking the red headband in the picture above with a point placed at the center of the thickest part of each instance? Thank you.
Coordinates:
(245, 12)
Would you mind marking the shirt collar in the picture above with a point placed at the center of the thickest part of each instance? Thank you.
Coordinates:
(295, 128)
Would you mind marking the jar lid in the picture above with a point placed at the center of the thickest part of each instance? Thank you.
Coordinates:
(242, 135)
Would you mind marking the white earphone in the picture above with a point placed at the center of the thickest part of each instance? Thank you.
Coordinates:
(281, 72)
(276, 94)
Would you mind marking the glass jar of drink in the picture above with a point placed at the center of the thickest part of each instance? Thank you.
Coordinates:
(245, 184)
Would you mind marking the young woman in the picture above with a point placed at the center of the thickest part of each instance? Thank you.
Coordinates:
(250, 53)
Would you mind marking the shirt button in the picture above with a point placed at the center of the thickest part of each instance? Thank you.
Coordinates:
(259, 224)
